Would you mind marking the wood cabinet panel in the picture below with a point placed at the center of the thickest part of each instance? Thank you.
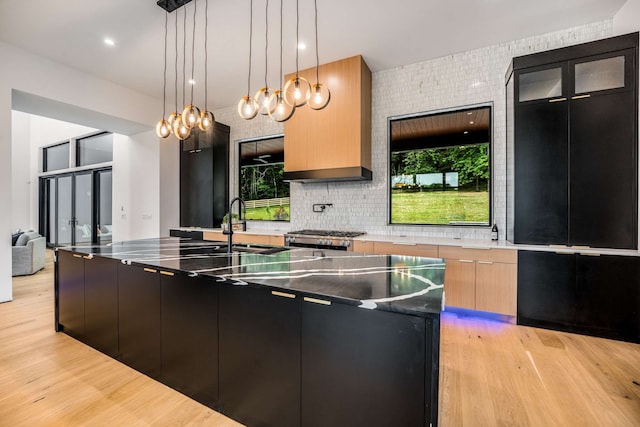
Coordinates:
(71, 293)
(496, 287)
(363, 246)
(101, 304)
(338, 136)
(490, 254)
(412, 249)
(460, 283)
(214, 236)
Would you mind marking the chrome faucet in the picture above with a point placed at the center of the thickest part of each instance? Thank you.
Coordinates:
(242, 214)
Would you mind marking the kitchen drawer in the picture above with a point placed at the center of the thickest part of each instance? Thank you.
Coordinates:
(401, 248)
(215, 236)
(363, 246)
(261, 239)
(509, 256)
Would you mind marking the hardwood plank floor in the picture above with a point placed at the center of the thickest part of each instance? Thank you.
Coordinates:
(491, 374)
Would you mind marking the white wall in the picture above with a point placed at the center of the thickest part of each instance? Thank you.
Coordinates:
(460, 79)
(35, 75)
(627, 20)
(21, 171)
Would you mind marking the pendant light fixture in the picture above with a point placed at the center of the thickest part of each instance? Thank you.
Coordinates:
(207, 119)
(174, 114)
(296, 91)
(191, 113)
(262, 96)
(279, 110)
(247, 107)
(319, 95)
(163, 128)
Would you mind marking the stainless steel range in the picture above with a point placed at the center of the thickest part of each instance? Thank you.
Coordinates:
(322, 239)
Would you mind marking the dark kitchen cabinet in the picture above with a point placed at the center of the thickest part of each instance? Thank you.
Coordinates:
(70, 293)
(364, 368)
(204, 177)
(259, 356)
(189, 308)
(101, 304)
(574, 140)
(139, 319)
(580, 292)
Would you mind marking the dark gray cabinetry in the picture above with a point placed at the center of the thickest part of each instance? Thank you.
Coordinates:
(579, 292)
(87, 290)
(139, 319)
(575, 143)
(260, 356)
(70, 291)
(365, 368)
(204, 182)
(189, 335)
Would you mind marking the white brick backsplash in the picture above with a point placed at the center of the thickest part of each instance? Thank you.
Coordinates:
(457, 80)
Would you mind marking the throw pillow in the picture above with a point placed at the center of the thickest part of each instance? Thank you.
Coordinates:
(14, 237)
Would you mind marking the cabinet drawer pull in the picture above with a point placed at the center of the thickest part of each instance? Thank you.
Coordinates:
(588, 95)
(466, 260)
(580, 247)
(317, 301)
(167, 273)
(486, 262)
(558, 246)
(150, 270)
(405, 243)
(77, 256)
(589, 254)
(557, 99)
(476, 249)
(283, 294)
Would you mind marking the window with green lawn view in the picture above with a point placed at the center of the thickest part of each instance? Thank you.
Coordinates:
(440, 168)
(261, 185)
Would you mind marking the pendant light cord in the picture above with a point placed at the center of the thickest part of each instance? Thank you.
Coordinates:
(193, 49)
(184, 53)
(297, 35)
(266, 42)
(176, 64)
(164, 74)
(206, 58)
(281, 77)
(250, 39)
(315, 5)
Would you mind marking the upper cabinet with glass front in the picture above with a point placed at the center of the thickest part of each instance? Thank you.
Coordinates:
(606, 72)
(542, 84)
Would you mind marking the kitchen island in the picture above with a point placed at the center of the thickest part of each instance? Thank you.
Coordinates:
(265, 335)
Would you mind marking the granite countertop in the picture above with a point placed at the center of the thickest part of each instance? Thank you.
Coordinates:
(404, 284)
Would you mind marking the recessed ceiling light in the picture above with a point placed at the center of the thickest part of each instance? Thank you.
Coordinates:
(470, 113)
(466, 132)
(109, 41)
(302, 46)
(192, 82)
(471, 122)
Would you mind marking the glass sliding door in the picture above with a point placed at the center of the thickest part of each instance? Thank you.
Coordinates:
(103, 210)
(82, 208)
(64, 211)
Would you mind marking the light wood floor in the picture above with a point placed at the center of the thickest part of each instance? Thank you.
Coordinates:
(492, 374)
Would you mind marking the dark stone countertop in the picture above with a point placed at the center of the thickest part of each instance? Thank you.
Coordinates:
(404, 284)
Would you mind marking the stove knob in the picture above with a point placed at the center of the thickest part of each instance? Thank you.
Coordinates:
(347, 243)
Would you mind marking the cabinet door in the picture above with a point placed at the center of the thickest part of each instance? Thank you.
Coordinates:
(603, 156)
(139, 318)
(460, 283)
(541, 159)
(71, 293)
(101, 304)
(363, 367)
(546, 289)
(608, 290)
(190, 336)
(496, 287)
(259, 356)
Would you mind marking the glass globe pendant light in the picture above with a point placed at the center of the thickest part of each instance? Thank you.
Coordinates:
(180, 129)
(207, 119)
(319, 95)
(191, 113)
(296, 91)
(163, 129)
(279, 109)
(247, 107)
(262, 96)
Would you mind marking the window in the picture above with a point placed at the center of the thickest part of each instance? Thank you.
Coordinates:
(261, 185)
(55, 157)
(440, 168)
(94, 149)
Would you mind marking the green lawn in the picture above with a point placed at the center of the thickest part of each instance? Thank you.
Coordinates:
(438, 207)
(268, 213)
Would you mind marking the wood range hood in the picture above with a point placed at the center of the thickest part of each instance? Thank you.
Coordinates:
(332, 144)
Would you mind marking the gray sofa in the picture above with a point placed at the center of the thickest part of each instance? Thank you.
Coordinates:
(28, 254)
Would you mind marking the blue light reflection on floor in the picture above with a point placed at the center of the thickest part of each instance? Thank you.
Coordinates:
(478, 319)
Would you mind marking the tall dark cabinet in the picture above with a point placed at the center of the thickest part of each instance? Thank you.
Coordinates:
(573, 136)
(204, 177)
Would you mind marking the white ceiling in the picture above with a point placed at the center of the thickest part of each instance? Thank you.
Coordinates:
(387, 33)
